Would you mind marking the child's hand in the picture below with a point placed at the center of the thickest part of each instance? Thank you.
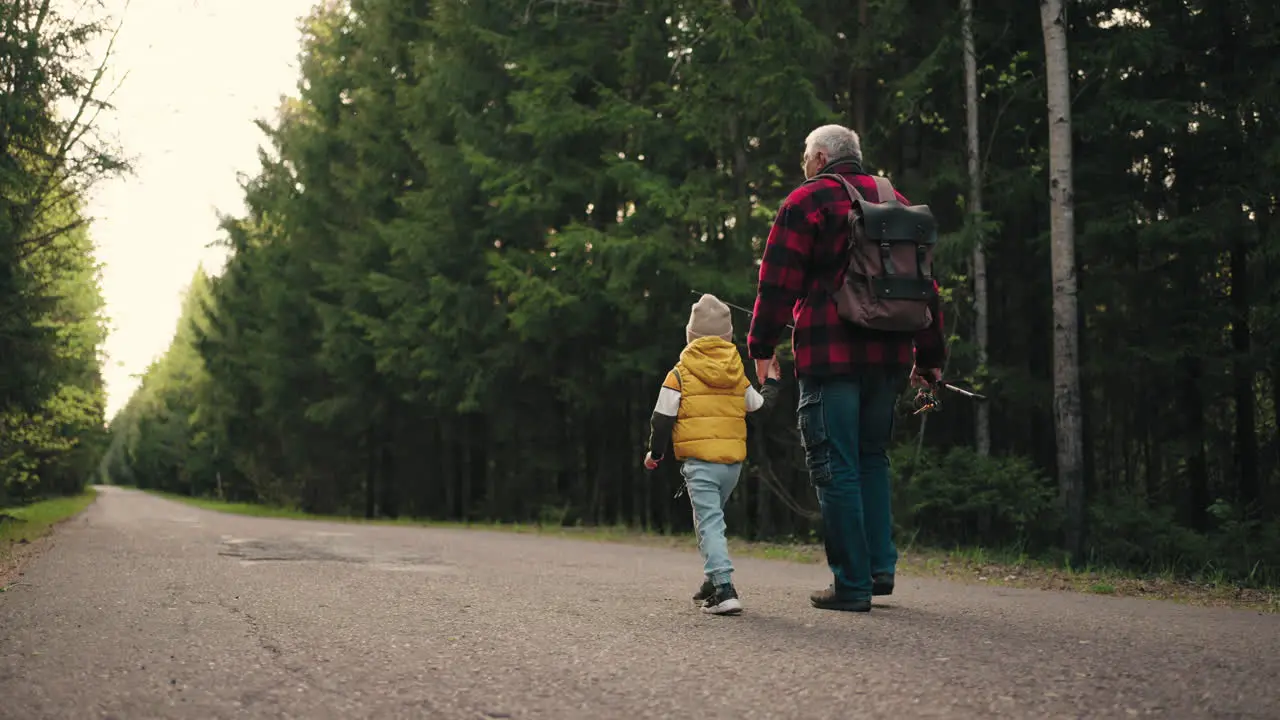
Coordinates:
(649, 462)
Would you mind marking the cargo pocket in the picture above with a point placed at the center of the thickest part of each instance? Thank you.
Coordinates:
(813, 436)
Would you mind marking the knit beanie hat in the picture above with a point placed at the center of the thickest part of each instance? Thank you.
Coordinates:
(709, 317)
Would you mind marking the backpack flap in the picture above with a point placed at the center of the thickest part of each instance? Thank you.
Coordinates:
(906, 235)
(894, 222)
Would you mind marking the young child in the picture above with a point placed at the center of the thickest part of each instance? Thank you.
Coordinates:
(701, 411)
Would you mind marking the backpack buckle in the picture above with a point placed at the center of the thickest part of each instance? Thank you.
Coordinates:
(886, 258)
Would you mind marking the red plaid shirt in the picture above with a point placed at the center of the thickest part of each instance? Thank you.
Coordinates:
(805, 247)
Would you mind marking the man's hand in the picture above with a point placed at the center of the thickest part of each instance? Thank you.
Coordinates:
(763, 368)
(926, 377)
(649, 462)
(775, 370)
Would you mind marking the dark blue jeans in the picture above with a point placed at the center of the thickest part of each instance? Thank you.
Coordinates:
(845, 425)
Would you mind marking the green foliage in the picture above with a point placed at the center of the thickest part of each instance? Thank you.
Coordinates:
(960, 496)
(1131, 534)
(467, 258)
(1128, 533)
(51, 324)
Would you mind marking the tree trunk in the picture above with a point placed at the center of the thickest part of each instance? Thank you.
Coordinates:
(982, 426)
(498, 444)
(1087, 418)
(585, 489)
(1267, 486)
(742, 213)
(466, 458)
(1246, 420)
(448, 470)
(370, 472)
(425, 463)
(567, 453)
(1066, 329)
(1198, 496)
(1152, 480)
(599, 470)
(479, 464)
(389, 503)
(1275, 406)
(861, 76)
(631, 468)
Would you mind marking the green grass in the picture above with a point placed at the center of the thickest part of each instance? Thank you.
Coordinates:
(242, 508)
(985, 566)
(26, 524)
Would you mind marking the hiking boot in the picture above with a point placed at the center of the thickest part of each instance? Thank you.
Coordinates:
(723, 601)
(882, 584)
(704, 592)
(828, 599)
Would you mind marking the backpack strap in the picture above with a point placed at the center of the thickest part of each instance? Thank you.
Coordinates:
(885, 194)
(884, 189)
(854, 195)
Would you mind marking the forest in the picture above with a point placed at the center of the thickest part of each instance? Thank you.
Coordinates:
(53, 432)
(466, 260)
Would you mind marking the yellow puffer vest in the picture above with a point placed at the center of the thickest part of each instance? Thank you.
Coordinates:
(711, 424)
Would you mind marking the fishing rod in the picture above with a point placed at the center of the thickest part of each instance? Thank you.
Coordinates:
(928, 404)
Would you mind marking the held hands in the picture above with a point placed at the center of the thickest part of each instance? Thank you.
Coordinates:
(766, 369)
(762, 369)
(649, 462)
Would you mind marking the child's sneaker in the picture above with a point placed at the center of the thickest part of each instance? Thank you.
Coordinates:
(704, 592)
(723, 601)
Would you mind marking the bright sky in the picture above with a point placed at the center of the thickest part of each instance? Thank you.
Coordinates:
(198, 73)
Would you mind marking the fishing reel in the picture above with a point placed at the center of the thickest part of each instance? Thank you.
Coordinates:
(926, 401)
(927, 397)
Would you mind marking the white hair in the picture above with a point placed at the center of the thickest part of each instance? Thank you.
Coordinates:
(834, 141)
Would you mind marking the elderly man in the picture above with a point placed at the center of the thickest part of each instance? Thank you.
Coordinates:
(850, 377)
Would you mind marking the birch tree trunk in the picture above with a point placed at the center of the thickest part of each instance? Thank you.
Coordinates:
(982, 427)
(1066, 328)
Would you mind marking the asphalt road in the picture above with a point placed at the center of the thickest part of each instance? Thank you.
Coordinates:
(145, 608)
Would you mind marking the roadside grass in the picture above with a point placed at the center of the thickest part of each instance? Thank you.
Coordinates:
(22, 526)
(983, 566)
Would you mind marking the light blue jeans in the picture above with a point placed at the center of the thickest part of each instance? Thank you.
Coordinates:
(709, 485)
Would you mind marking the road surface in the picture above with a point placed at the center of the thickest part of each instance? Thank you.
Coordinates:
(146, 608)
